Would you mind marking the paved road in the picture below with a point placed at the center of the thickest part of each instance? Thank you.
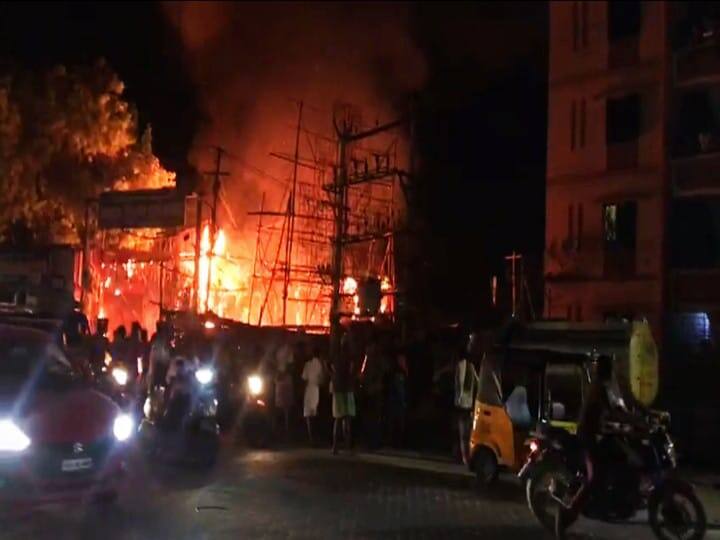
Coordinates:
(298, 495)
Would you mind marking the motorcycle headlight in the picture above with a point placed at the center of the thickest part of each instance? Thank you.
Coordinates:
(120, 375)
(205, 375)
(12, 438)
(255, 385)
(123, 427)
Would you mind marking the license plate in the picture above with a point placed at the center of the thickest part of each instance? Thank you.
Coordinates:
(72, 465)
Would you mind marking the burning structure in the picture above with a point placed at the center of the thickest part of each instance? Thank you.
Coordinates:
(158, 250)
(292, 213)
(262, 244)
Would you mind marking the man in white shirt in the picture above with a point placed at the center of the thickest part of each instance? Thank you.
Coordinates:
(312, 375)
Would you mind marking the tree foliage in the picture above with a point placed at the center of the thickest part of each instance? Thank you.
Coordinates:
(65, 136)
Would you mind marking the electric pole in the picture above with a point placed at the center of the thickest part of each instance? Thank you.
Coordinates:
(217, 174)
(514, 258)
(340, 187)
(291, 216)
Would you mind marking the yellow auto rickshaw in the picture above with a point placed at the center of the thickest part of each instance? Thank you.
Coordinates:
(540, 373)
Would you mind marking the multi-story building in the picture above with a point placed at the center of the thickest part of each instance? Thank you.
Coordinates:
(633, 173)
(633, 226)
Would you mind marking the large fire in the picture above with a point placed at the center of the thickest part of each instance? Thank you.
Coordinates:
(253, 273)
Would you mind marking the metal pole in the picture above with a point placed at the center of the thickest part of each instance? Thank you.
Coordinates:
(213, 224)
(514, 293)
(198, 239)
(161, 287)
(291, 215)
(257, 252)
(340, 191)
(85, 253)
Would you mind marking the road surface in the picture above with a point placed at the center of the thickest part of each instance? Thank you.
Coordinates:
(299, 494)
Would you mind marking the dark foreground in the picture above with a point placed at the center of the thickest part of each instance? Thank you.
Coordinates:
(300, 494)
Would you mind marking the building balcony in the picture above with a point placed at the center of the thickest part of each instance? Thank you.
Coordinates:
(698, 65)
(695, 289)
(696, 175)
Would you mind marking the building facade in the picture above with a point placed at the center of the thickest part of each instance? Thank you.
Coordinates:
(633, 165)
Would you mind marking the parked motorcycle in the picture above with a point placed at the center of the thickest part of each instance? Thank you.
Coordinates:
(637, 473)
(180, 420)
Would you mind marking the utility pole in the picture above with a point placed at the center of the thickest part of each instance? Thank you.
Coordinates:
(217, 173)
(198, 240)
(339, 192)
(162, 276)
(514, 258)
(255, 259)
(291, 216)
(341, 184)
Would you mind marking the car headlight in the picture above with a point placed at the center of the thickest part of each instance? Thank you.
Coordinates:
(120, 375)
(255, 385)
(205, 375)
(123, 427)
(12, 438)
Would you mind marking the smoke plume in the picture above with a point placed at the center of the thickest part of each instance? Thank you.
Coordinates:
(252, 61)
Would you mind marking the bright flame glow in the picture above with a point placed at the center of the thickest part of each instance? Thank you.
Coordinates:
(350, 285)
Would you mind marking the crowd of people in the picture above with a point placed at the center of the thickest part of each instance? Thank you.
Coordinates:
(389, 394)
(418, 393)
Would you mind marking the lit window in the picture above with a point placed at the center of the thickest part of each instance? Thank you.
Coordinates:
(610, 222)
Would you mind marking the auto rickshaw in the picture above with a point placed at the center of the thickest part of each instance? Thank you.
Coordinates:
(539, 373)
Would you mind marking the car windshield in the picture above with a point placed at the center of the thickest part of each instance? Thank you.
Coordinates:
(42, 364)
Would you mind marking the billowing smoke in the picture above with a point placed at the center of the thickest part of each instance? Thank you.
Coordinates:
(251, 61)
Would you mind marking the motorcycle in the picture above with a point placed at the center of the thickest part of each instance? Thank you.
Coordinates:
(256, 414)
(114, 380)
(180, 420)
(638, 473)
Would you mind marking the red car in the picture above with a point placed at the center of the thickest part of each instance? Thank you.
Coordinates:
(59, 438)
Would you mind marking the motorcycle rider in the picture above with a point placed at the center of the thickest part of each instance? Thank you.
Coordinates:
(603, 404)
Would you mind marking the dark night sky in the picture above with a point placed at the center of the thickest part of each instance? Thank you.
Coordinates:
(480, 134)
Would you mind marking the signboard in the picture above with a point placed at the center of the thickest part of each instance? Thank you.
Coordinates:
(148, 208)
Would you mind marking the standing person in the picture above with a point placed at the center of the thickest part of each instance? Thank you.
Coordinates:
(397, 396)
(312, 375)
(100, 346)
(119, 347)
(372, 374)
(159, 357)
(466, 381)
(136, 349)
(343, 393)
(284, 391)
